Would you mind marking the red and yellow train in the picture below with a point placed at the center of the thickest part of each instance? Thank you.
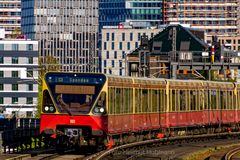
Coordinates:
(96, 109)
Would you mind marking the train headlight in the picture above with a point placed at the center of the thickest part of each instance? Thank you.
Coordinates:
(96, 110)
(46, 108)
(49, 109)
(101, 109)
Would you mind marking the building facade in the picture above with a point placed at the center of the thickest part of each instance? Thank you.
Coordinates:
(213, 16)
(66, 30)
(117, 43)
(142, 13)
(18, 77)
(10, 16)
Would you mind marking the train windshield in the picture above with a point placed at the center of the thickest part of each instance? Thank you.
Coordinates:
(74, 92)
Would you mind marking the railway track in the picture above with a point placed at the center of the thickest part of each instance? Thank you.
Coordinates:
(230, 154)
(149, 149)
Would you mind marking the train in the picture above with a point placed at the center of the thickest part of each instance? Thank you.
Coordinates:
(102, 111)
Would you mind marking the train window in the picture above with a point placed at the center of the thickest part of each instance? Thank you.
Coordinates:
(100, 107)
(175, 100)
(155, 100)
(223, 97)
(48, 106)
(183, 102)
(118, 101)
(145, 104)
(131, 100)
(127, 98)
(172, 100)
(213, 99)
(137, 101)
(230, 100)
(193, 100)
(160, 101)
(111, 100)
(206, 100)
(200, 100)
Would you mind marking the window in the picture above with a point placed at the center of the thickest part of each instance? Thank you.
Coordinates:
(1, 47)
(1, 60)
(30, 60)
(107, 36)
(29, 100)
(30, 47)
(123, 54)
(29, 73)
(113, 36)
(113, 63)
(120, 63)
(1, 100)
(128, 46)
(1, 74)
(136, 44)
(107, 54)
(139, 36)
(131, 36)
(14, 60)
(123, 36)
(14, 100)
(1, 87)
(115, 54)
(29, 114)
(14, 47)
(15, 74)
(105, 46)
(30, 87)
(105, 63)
(112, 45)
(120, 45)
(15, 87)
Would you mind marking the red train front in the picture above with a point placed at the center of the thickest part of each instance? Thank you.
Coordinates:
(73, 108)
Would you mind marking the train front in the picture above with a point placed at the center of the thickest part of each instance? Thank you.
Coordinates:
(74, 108)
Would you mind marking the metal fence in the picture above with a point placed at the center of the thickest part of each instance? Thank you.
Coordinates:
(18, 135)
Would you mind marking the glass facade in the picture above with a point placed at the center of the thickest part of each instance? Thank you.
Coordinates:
(113, 12)
(66, 31)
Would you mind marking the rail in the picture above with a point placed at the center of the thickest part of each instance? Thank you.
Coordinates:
(231, 153)
(102, 155)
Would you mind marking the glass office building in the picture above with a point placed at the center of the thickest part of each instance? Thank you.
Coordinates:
(142, 13)
(66, 30)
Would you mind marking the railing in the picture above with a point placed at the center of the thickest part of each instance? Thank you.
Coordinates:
(197, 57)
(19, 135)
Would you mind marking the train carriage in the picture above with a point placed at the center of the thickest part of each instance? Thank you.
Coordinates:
(92, 109)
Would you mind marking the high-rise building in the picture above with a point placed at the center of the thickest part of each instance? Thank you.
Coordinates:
(10, 16)
(66, 30)
(213, 16)
(18, 77)
(142, 13)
